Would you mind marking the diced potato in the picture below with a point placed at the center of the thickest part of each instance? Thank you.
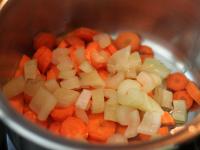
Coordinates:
(59, 55)
(114, 81)
(163, 97)
(134, 60)
(147, 82)
(14, 87)
(155, 66)
(67, 64)
(81, 114)
(134, 121)
(131, 73)
(66, 74)
(86, 67)
(117, 139)
(156, 79)
(42, 103)
(71, 83)
(110, 111)
(110, 93)
(51, 85)
(153, 105)
(97, 101)
(84, 99)
(30, 69)
(119, 61)
(91, 79)
(150, 123)
(122, 114)
(127, 85)
(80, 54)
(103, 39)
(32, 86)
(66, 97)
(179, 112)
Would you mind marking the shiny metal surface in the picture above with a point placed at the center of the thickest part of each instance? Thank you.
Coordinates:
(170, 27)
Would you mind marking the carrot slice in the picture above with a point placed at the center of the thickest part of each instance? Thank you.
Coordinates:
(44, 39)
(151, 94)
(73, 128)
(22, 62)
(103, 73)
(43, 56)
(144, 137)
(121, 129)
(52, 73)
(128, 38)
(18, 73)
(75, 41)
(100, 129)
(17, 103)
(167, 119)
(176, 81)
(145, 50)
(60, 114)
(31, 116)
(163, 131)
(91, 47)
(63, 44)
(145, 56)
(54, 128)
(193, 91)
(183, 95)
(111, 49)
(85, 33)
(43, 124)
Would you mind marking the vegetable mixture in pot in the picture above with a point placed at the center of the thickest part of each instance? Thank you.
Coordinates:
(88, 86)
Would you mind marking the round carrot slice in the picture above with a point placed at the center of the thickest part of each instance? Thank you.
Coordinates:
(193, 91)
(100, 129)
(128, 38)
(183, 95)
(176, 81)
(74, 128)
(75, 41)
(44, 39)
(146, 50)
(85, 33)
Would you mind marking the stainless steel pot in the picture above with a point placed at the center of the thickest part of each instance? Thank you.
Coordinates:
(170, 27)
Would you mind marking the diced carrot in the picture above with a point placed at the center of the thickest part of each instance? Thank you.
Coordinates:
(144, 137)
(54, 127)
(74, 128)
(144, 56)
(128, 38)
(193, 91)
(111, 49)
(43, 124)
(52, 73)
(167, 119)
(44, 39)
(176, 81)
(26, 108)
(19, 73)
(145, 50)
(43, 56)
(163, 131)
(27, 98)
(85, 33)
(31, 116)
(17, 103)
(91, 47)
(75, 41)
(63, 44)
(103, 73)
(151, 94)
(183, 95)
(121, 129)
(22, 62)
(100, 129)
(60, 114)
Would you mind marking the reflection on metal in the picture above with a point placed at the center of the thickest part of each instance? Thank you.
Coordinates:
(2, 3)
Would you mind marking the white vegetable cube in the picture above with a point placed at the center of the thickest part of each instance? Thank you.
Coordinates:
(117, 139)
(103, 39)
(59, 55)
(84, 99)
(131, 73)
(30, 69)
(150, 123)
(114, 81)
(66, 74)
(110, 93)
(42, 103)
(134, 60)
(123, 112)
(67, 64)
(86, 67)
(52, 85)
(180, 111)
(110, 111)
(71, 83)
(80, 54)
(97, 101)
(14, 87)
(66, 97)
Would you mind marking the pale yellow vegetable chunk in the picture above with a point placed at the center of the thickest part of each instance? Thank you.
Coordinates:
(52, 85)
(84, 99)
(71, 83)
(97, 101)
(30, 69)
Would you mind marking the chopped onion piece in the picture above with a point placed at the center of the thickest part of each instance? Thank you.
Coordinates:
(156, 79)
(127, 85)
(134, 60)
(91, 79)
(86, 67)
(103, 39)
(83, 99)
(66, 74)
(80, 54)
(150, 123)
(30, 69)
(66, 97)
(123, 114)
(110, 111)
(131, 73)
(97, 101)
(114, 81)
(81, 114)
(179, 112)
(14, 87)
(51, 85)
(67, 64)
(71, 83)
(59, 55)
(42, 103)
(110, 93)
(117, 139)
(134, 121)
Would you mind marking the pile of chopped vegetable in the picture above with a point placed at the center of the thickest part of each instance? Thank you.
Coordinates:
(88, 86)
